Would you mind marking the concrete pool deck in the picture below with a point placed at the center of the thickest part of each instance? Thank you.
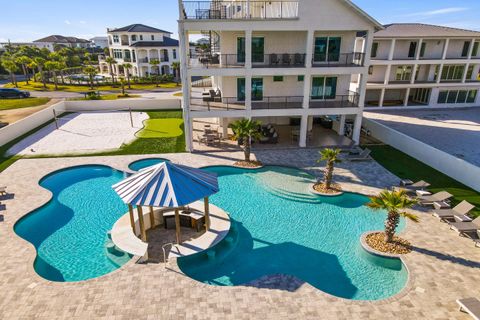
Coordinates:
(444, 267)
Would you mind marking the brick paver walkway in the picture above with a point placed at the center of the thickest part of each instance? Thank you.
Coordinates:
(444, 267)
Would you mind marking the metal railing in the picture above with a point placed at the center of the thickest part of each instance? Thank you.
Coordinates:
(338, 59)
(143, 60)
(219, 10)
(217, 60)
(278, 102)
(275, 60)
(349, 100)
(216, 104)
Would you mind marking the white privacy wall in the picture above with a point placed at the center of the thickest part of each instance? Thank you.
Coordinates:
(452, 166)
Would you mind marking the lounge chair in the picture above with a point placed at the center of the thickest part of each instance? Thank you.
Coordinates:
(362, 156)
(3, 191)
(419, 185)
(466, 228)
(463, 208)
(470, 306)
(437, 197)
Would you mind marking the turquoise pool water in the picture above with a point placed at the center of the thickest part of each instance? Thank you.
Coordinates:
(70, 231)
(144, 163)
(280, 228)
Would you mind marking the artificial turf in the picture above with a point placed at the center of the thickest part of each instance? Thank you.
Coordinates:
(406, 167)
(161, 128)
(7, 104)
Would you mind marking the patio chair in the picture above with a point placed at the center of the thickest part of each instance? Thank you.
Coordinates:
(362, 156)
(463, 208)
(470, 306)
(274, 59)
(437, 197)
(286, 59)
(3, 191)
(412, 188)
(299, 59)
(466, 228)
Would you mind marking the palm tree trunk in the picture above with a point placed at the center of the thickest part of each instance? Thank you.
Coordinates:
(328, 175)
(390, 226)
(128, 80)
(14, 81)
(34, 75)
(55, 80)
(25, 73)
(247, 148)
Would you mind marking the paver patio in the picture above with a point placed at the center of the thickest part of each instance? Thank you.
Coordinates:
(443, 266)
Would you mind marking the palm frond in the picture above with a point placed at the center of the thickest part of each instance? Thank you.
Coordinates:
(410, 216)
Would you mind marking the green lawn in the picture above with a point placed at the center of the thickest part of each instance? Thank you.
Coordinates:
(7, 104)
(161, 128)
(108, 97)
(38, 86)
(406, 167)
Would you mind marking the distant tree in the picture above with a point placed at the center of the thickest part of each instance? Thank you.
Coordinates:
(40, 62)
(32, 66)
(24, 61)
(9, 64)
(155, 63)
(91, 71)
(245, 130)
(54, 67)
(176, 70)
(127, 67)
(111, 61)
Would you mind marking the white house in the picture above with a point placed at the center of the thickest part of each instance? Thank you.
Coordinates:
(58, 40)
(291, 64)
(138, 45)
(416, 65)
(99, 42)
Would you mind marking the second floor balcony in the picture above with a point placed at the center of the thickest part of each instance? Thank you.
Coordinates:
(239, 10)
(339, 60)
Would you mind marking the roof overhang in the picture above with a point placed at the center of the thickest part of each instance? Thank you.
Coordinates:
(378, 25)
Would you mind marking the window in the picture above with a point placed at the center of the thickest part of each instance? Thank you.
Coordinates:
(134, 37)
(403, 73)
(452, 96)
(152, 37)
(442, 97)
(257, 89)
(472, 96)
(469, 72)
(240, 50)
(324, 88)
(300, 78)
(475, 49)
(462, 96)
(116, 39)
(174, 53)
(412, 50)
(457, 97)
(117, 54)
(466, 48)
(277, 78)
(258, 49)
(141, 37)
(374, 50)
(241, 89)
(452, 72)
(370, 70)
(422, 49)
(327, 49)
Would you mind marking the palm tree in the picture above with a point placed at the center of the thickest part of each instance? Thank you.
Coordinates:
(54, 66)
(24, 61)
(91, 71)
(176, 70)
(32, 66)
(126, 68)
(331, 156)
(111, 61)
(154, 63)
(9, 64)
(394, 202)
(244, 130)
(40, 62)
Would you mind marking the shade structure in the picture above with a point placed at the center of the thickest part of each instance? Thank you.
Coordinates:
(167, 185)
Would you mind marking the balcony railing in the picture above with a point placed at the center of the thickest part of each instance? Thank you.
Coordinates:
(275, 60)
(278, 102)
(339, 59)
(218, 104)
(219, 10)
(349, 100)
(143, 60)
(217, 60)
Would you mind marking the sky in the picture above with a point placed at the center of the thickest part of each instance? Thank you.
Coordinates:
(28, 20)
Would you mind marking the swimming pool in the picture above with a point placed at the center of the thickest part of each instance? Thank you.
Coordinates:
(278, 227)
(70, 231)
(145, 163)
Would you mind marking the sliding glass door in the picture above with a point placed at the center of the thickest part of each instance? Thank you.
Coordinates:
(258, 49)
(327, 49)
(257, 89)
(240, 89)
(324, 88)
(240, 50)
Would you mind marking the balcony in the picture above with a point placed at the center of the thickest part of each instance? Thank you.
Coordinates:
(349, 100)
(278, 102)
(143, 60)
(274, 60)
(217, 61)
(209, 99)
(239, 10)
(356, 59)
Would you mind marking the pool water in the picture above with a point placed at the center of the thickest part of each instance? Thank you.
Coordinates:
(70, 231)
(278, 227)
(145, 163)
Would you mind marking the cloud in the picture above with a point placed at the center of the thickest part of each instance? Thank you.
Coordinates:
(67, 22)
(83, 22)
(436, 12)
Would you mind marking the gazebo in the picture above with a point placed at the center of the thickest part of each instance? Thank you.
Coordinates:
(166, 185)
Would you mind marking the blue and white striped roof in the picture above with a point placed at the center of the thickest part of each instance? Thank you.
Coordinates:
(167, 185)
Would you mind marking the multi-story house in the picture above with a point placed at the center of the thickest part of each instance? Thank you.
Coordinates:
(138, 45)
(52, 41)
(424, 65)
(285, 63)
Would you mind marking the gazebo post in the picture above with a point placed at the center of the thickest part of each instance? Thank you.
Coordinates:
(132, 219)
(142, 225)
(152, 218)
(207, 213)
(177, 226)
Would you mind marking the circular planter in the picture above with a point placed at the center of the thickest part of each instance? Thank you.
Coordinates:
(366, 247)
(336, 194)
(252, 168)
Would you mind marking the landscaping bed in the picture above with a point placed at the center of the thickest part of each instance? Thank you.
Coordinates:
(377, 242)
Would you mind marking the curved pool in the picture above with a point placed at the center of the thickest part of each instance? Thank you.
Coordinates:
(70, 231)
(279, 227)
(144, 163)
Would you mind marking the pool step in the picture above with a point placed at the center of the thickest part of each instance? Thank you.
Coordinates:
(293, 196)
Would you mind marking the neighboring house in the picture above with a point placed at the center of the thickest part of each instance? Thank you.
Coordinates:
(138, 44)
(289, 63)
(99, 42)
(424, 65)
(58, 40)
(39, 45)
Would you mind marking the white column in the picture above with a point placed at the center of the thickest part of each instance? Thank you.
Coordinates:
(341, 128)
(414, 72)
(388, 71)
(440, 71)
(186, 81)
(382, 98)
(225, 127)
(248, 49)
(159, 55)
(362, 90)
(470, 50)
(464, 76)
(419, 49)
(302, 141)
(392, 49)
(309, 49)
(307, 82)
(248, 92)
(407, 94)
(357, 128)
(445, 49)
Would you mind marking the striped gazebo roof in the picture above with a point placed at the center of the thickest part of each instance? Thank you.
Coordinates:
(167, 185)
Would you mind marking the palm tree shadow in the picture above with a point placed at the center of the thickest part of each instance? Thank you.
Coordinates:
(447, 257)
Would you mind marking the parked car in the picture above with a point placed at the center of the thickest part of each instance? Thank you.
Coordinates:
(13, 93)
